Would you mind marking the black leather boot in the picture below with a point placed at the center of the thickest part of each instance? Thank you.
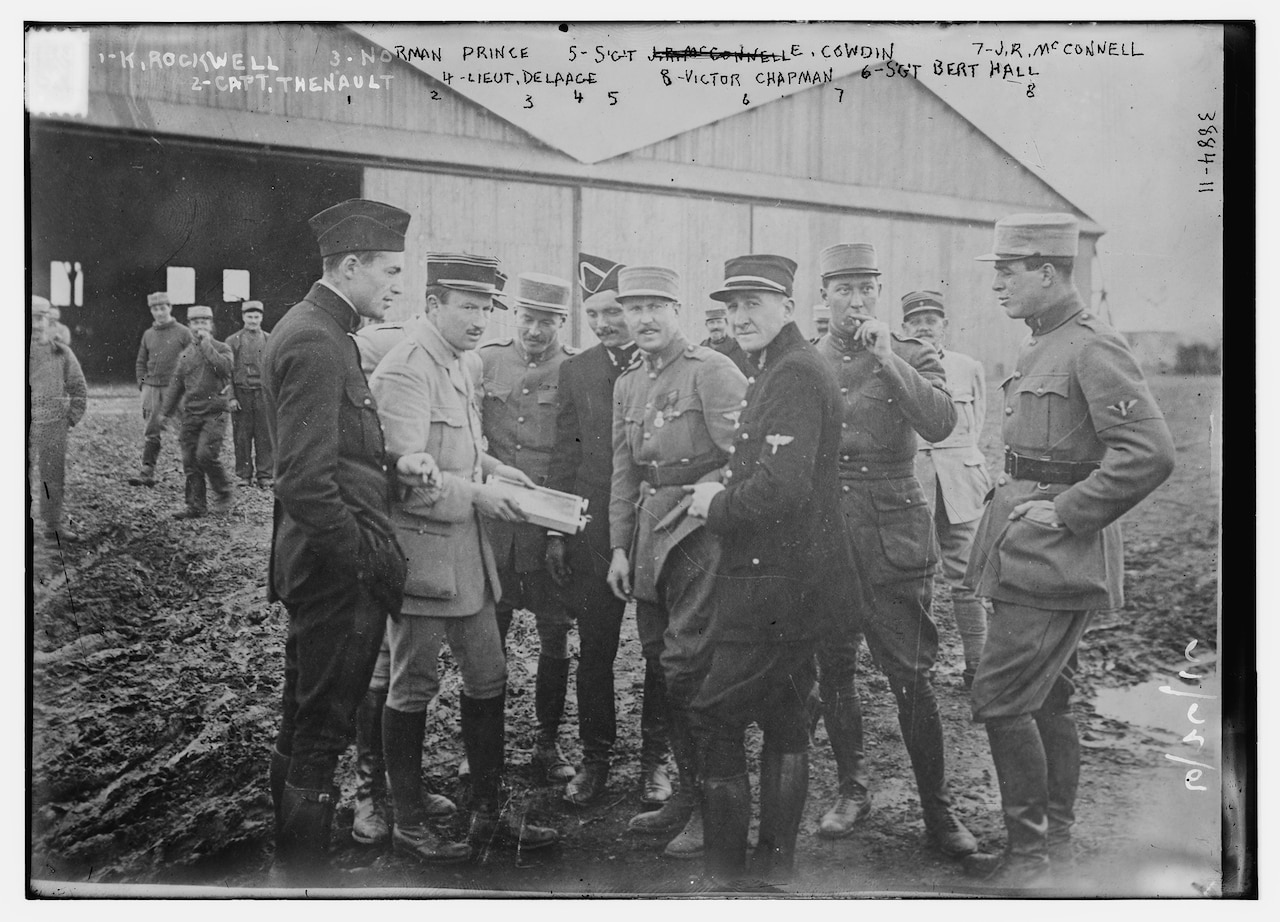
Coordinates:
(492, 821)
(784, 785)
(1062, 763)
(726, 803)
(302, 846)
(548, 704)
(1019, 758)
(682, 810)
(368, 825)
(402, 734)
(655, 742)
(843, 718)
(921, 725)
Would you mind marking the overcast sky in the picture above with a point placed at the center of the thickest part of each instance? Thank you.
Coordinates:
(1117, 135)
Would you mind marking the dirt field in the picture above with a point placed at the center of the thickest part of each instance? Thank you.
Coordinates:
(157, 666)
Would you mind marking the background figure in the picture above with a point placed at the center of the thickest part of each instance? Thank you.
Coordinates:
(248, 406)
(157, 358)
(1084, 443)
(59, 332)
(521, 382)
(335, 561)
(821, 322)
(58, 401)
(786, 572)
(673, 425)
(720, 340)
(894, 389)
(582, 463)
(953, 471)
(199, 380)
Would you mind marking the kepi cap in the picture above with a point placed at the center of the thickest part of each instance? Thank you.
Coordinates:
(359, 225)
(757, 272)
(466, 272)
(916, 301)
(197, 311)
(716, 313)
(648, 282)
(540, 292)
(1021, 235)
(847, 259)
(246, 306)
(158, 297)
(39, 306)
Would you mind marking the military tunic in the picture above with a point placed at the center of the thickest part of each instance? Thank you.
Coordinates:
(58, 401)
(249, 423)
(729, 347)
(955, 465)
(674, 424)
(1076, 395)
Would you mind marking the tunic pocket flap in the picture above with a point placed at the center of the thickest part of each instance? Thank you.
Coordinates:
(1051, 561)
(359, 395)
(547, 395)
(429, 565)
(449, 416)
(1039, 385)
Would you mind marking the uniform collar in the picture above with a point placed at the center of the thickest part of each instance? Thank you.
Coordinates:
(664, 358)
(788, 338)
(547, 354)
(335, 304)
(428, 335)
(849, 345)
(1056, 314)
(621, 356)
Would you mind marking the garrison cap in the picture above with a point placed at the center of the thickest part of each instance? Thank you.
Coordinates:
(39, 306)
(246, 306)
(466, 272)
(197, 311)
(757, 272)
(916, 301)
(1021, 235)
(359, 225)
(847, 259)
(648, 281)
(716, 313)
(158, 297)
(540, 292)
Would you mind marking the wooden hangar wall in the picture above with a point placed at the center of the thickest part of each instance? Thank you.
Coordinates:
(886, 162)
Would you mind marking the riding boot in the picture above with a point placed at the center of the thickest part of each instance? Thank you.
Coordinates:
(921, 725)
(843, 718)
(483, 734)
(1019, 758)
(402, 735)
(655, 746)
(1062, 760)
(726, 805)
(784, 784)
(678, 811)
(302, 846)
(368, 825)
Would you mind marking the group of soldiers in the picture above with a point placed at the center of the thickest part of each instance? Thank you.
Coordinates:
(766, 502)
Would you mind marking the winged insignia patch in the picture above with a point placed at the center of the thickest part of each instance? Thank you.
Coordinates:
(778, 440)
(1123, 407)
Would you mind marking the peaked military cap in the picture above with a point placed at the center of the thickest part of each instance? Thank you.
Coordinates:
(648, 282)
(466, 272)
(359, 225)
(158, 297)
(757, 272)
(847, 259)
(1021, 235)
(197, 311)
(246, 306)
(716, 313)
(916, 301)
(540, 292)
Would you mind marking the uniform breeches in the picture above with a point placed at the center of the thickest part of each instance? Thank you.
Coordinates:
(535, 591)
(955, 541)
(49, 457)
(201, 441)
(414, 643)
(152, 404)
(1029, 661)
(329, 656)
(674, 631)
(252, 440)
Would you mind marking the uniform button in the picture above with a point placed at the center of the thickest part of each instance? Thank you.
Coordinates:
(845, 488)
(844, 457)
(744, 403)
(648, 434)
(751, 380)
(525, 391)
(384, 468)
(863, 469)
(848, 358)
(844, 390)
(653, 374)
(1017, 374)
(652, 491)
(1007, 448)
(745, 436)
(1039, 390)
(518, 447)
(732, 449)
(890, 400)
(1031, 342)
(755, 561)
(728, 474)
(519, 419)
(1002, 481)
(1008, 411)
(844, 425)
(533, 364)
(367, 401)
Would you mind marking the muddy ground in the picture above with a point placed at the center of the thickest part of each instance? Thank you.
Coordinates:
(157, 666)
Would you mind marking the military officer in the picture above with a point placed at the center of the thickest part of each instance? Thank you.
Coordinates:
(248, 410)
(158, 353)
(202, 373)
(58, 401)
(893, 389)
(427, 403)
(954, 471)
(335, 561)
(785, 567)
(673, 425)
(521, 384)
(720, 340)
(582, 463)
(1084, 443)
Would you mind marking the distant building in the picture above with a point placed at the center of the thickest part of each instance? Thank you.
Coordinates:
(165, 174)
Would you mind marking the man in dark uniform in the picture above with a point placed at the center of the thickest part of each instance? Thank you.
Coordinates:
(720, 340)
(673, 425)
(893, 388)
(785, 565)
(201, 376)
(248, 409)
(582, 463)
(520, 387)
(1084, 443)
(335, 562)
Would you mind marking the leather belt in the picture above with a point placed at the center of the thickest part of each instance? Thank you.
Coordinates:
(678, 475)
(1020, 467)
